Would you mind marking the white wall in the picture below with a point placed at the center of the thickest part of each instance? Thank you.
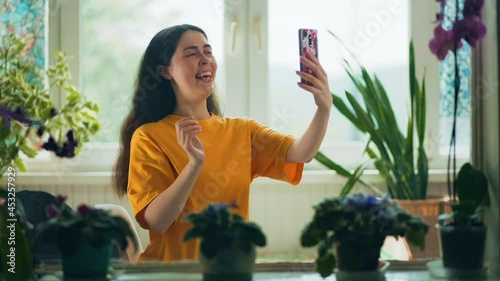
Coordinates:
(280, 209)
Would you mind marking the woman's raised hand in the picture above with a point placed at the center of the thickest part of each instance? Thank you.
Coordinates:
(187, 130)
(320, 88)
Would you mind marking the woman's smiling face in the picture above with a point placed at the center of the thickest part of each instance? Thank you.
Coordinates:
(193, 68)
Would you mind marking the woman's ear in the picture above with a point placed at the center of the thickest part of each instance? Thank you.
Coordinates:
(164, 71)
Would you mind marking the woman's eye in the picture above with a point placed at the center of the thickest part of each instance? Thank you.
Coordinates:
(190, 55)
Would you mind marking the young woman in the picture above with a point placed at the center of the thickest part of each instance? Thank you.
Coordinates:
(178, 153)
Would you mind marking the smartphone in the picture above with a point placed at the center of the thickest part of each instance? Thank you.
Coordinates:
(308, 41)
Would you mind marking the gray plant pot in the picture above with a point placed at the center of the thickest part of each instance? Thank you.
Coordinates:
(230, 263)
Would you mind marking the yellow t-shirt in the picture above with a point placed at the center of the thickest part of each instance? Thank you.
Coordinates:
(237, 150)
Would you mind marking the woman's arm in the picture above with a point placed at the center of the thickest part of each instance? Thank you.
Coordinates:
(306, 147)
(162, 212)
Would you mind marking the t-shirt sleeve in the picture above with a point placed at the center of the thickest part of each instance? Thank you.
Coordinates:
(150, 173)
(269, 150)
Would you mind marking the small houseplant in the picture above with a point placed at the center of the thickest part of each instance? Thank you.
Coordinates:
(350, 231)
(29, 121)
(84, 237)
(465, 222)
(227, 246)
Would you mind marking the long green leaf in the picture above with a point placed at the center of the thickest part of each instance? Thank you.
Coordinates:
(384, 171)
(344, 110)
(358, 172)
(421, 114)
(323, 159)
(423, 172)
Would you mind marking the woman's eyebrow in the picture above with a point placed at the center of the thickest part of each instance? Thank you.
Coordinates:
(196, 47)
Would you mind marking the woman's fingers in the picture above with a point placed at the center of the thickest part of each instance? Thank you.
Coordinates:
(315, 60)
(308, 77)
(186, 128)
(316, 68)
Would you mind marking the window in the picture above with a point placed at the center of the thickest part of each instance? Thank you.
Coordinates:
(375, 32)
(115, 34)
(255, 43)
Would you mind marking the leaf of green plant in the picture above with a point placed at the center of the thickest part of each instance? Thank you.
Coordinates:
(358, 172)
(325, 265)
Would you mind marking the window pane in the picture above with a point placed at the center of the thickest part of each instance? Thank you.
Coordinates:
(447, 94)
(375, 31)
(115, 35)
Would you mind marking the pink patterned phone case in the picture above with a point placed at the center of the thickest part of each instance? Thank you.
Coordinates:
(308, 41)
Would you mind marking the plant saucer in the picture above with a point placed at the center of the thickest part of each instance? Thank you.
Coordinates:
(378, 275)
(437, 270)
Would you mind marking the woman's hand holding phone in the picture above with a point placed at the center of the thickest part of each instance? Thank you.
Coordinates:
(314, 78)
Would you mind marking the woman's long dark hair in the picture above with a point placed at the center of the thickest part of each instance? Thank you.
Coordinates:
(153, 97)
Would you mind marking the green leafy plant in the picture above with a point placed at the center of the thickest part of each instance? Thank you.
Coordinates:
(71, 228)
(355, 219)
(218, 227)
(402, 163)
(471, 186)
(29, 121)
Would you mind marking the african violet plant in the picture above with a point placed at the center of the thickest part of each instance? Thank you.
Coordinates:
(350, 230)
(72, 228)
(217, 227)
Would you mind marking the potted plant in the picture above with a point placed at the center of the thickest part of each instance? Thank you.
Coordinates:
(84, 237)
(15, 247)
(388, 148)
(29, 121)
(459, 25)
(227, 246)
(350, 231)
(399, 155)
(465, 222)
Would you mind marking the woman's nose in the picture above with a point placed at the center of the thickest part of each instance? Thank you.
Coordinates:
(205, 60)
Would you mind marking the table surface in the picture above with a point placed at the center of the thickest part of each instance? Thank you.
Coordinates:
(400, 271)
(268, 276)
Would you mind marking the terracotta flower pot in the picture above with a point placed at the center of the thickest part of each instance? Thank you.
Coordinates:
(463, 247)
(88, 261)
(231, 263)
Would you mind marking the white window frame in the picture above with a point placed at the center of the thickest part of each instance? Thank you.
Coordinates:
(244, 22)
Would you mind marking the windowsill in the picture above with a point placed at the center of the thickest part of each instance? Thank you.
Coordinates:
(104, 178)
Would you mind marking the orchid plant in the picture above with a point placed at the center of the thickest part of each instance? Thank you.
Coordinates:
(467, 26)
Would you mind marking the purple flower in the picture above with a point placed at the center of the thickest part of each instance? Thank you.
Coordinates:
(16, 115)
(40, 131)
(84, 210)
(361, 203)
(52, 211)
(66, 150)
(53, 112)
(472, 8)
(470, 30)
(61, 199)
(443, 41)
(50, 145)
